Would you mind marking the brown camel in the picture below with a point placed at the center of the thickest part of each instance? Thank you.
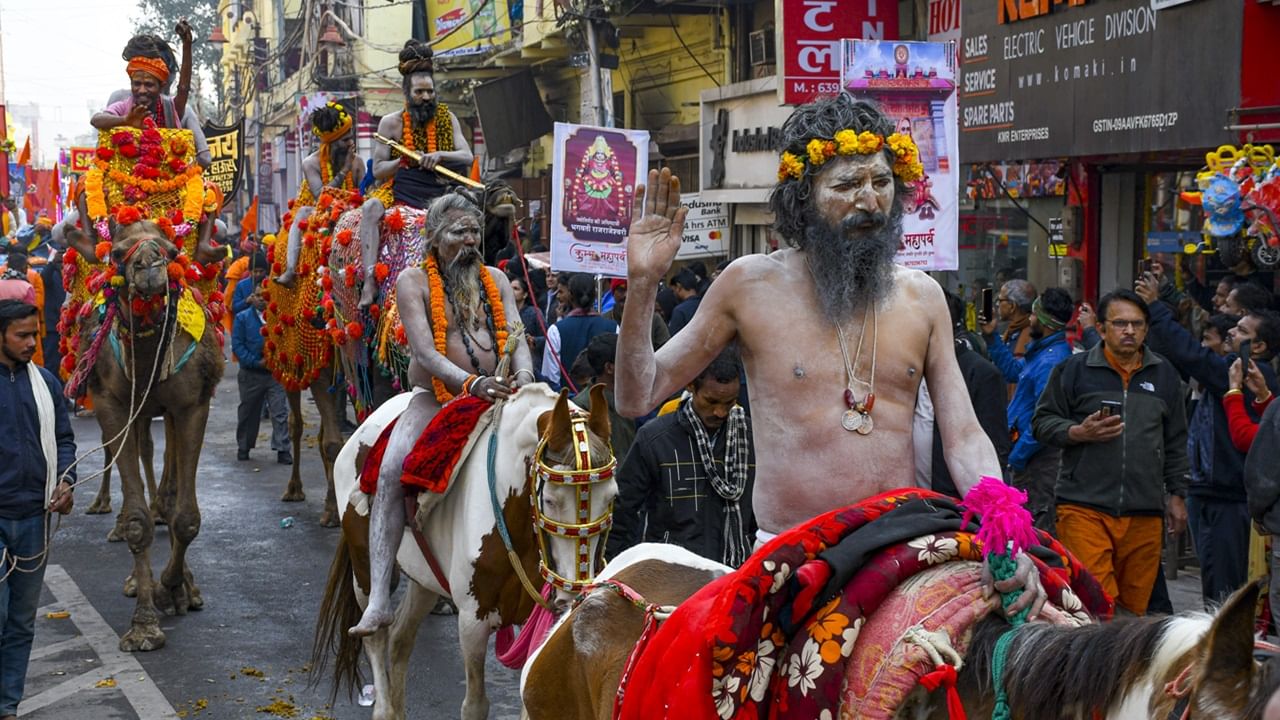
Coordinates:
(329, 442)
(148, 367)
(101, 504)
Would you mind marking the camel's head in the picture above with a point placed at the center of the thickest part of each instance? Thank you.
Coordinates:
(574, 492)
(500, 200)
(142, 252)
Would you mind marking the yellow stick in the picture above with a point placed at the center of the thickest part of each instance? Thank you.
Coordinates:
(417, 157)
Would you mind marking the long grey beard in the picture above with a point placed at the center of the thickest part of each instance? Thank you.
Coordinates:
(421, 114)
(851, 265)
(462, 275)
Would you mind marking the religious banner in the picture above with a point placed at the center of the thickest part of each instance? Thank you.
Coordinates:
(80, 159)
(225, 147)
(591, 196)
(451, 34)
(809, 37)
(706, 229)
(915, 83)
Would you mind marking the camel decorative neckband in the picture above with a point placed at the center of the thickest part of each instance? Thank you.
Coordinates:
(857, 418)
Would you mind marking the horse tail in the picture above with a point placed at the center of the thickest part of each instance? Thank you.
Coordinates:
(338, 611)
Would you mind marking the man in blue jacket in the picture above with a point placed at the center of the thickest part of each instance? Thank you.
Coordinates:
(1034, 466)
(36, 477)
(257, 386)
(1216, 499)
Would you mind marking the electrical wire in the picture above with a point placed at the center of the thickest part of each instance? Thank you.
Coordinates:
(987, 169)
(685, 45)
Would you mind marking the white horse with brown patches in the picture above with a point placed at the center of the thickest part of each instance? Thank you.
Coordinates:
(547, 461)
(1193, 666)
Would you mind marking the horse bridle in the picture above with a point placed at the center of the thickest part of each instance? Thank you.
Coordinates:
(1178, 688)
(582, 477)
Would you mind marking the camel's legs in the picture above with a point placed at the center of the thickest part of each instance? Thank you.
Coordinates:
(139, 529)
(330, 442)
(293, 491)
(415, 606)
(102, 501)
(188, 428)
(146, 453)
(473, 637)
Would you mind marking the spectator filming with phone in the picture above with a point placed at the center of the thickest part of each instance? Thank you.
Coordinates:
(1118, 414)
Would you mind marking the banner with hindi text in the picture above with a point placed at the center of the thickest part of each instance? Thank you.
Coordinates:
(226, 147)
(915, 84)
(597, 170)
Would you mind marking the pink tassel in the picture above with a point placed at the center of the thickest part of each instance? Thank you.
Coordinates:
(90, 357)
(1004, 516)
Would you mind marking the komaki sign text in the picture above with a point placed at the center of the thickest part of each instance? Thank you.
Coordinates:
(1008, 11)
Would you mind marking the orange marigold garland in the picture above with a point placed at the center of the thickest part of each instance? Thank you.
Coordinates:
(440, 319)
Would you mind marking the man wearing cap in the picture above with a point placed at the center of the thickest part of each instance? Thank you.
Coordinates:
(427, 126)
(149, 69)
(1034, 466)
(619, 288)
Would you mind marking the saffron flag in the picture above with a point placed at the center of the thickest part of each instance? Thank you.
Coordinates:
(25, 156)
(250, 222)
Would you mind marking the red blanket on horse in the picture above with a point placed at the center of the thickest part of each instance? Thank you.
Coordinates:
(437, 453)
(772, 639)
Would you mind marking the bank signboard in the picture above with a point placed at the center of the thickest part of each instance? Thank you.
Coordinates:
(1047, 78)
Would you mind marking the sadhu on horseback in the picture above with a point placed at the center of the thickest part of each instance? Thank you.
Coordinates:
(487, 456)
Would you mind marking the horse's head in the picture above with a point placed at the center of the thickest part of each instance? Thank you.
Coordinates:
(573, 492)
(500, 200)
(142, 252)
(1221, 677)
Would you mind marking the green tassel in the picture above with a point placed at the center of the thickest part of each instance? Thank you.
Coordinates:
(1003, 567)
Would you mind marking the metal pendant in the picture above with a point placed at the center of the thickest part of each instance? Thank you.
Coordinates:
(852, 420)
(866, 426)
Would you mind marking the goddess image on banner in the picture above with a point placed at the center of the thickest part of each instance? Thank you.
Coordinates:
(915, 84)
(592, 194)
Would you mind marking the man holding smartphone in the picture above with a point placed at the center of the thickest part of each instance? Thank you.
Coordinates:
(1216, 496)
(1117, 412)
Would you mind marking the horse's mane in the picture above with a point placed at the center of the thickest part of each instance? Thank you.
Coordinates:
(1054, 671)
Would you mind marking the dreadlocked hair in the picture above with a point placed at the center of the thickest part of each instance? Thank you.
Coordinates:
(824, 117)
(326, 119)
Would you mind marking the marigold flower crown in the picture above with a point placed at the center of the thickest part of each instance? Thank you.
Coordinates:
(819, 150)
(344, 124)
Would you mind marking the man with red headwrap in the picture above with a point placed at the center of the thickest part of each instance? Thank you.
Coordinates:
(149, 68)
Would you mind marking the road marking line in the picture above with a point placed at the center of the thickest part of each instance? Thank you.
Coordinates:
(55, 648)
(143, 695)
(65, 689)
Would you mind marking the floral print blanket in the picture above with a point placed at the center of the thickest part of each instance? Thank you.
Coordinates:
(772, 639)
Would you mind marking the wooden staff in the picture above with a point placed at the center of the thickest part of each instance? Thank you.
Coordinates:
(417, 157)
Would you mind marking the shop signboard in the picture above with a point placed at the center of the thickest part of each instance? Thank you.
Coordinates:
(915, 83)
(227, 166)
(467, 27)
(809, 40)
(591, 196)
(1095, 77)
(706, 229)
(80, 159)
(944, 20)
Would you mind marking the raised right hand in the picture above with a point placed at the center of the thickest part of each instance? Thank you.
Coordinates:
(136, 115)
(1097, 428)
(657, 226)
